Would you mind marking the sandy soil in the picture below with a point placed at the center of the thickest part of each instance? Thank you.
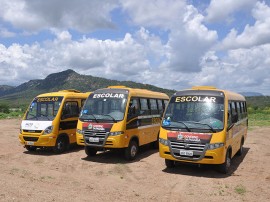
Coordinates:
(44, 176)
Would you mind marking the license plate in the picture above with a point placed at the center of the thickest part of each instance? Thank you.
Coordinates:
(29, 143)
(186, 153)
(93, 139)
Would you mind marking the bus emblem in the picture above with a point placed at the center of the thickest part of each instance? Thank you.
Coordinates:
(180, 137)
(187, 146)
(90, 126)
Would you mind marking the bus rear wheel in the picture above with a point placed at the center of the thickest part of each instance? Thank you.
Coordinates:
(241, 149)
(90, 151)
(132, 150)
(169, 163)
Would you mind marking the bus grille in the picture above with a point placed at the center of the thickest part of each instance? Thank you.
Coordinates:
(32, 139)
(197, 149)
(32, 131)
(95, 138)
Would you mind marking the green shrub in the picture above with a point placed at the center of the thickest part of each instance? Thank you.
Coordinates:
(4, 108)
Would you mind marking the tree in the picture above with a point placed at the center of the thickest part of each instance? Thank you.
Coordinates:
(4, 108)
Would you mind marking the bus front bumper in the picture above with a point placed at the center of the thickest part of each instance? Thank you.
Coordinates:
(215, 156)
(37, 140)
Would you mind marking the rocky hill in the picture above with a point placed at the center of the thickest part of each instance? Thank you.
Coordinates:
(68, 79)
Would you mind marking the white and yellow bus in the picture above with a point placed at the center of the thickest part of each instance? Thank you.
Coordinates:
(203, 125)
(120, 117)
(51, 120)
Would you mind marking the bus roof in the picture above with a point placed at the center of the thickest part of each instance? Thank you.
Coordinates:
(141, 92)
(67, 92)
(208, 89)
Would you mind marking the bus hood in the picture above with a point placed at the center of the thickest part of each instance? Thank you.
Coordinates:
(35, 125)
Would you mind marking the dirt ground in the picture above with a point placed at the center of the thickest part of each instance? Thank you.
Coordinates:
(44, 176)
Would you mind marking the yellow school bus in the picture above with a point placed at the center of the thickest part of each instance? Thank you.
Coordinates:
(51, 120)
(203, 125)
(120, 117)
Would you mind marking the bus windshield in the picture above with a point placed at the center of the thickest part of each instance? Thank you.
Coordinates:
(104, 106)
(195, 113)
(44, 108)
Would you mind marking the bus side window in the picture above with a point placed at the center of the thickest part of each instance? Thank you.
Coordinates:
(234, 113)
(82, 102)
(239, 110)
(153, 106)
(160, 107)
(133, 109)
(71, 109)
(144, 107)
(243, 109)
(229, 114)
(165, 103)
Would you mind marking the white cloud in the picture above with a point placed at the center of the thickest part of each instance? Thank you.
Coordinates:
(158, 13)
(187, 44)
(124, 59)
(257, 34)
(188, 39)
(222, 10)
(186, 56)
(81, 15)
(240, 70)
(5, 33)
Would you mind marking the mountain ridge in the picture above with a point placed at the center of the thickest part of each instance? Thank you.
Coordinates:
(68, 79)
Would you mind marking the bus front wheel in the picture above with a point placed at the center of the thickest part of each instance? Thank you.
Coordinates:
(90, 151)
(224, 168)
(169, 163)
(132, 150)
(61, 145)
(30, 148)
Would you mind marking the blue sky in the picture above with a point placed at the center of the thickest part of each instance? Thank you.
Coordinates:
(169, 43)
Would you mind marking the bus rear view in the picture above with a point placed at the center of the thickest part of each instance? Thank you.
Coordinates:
(197, 128)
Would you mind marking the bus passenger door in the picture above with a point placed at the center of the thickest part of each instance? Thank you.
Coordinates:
(133, 122)
(69, 119)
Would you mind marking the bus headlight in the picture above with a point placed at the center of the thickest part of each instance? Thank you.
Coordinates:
(164, 142)
(48, 130)
(116, 133)
(79, 131)
(215, 146)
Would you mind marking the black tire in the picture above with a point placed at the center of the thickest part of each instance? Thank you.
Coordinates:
(90, 151)
(61, 145)
(30, 148)
(156, 143)
(132, 150)
(169, 163)
(241, 149)
(225, 167)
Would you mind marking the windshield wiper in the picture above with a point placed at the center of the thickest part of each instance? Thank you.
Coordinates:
(110, 117)
(82, 117)
(186, 127)
(206, 124)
